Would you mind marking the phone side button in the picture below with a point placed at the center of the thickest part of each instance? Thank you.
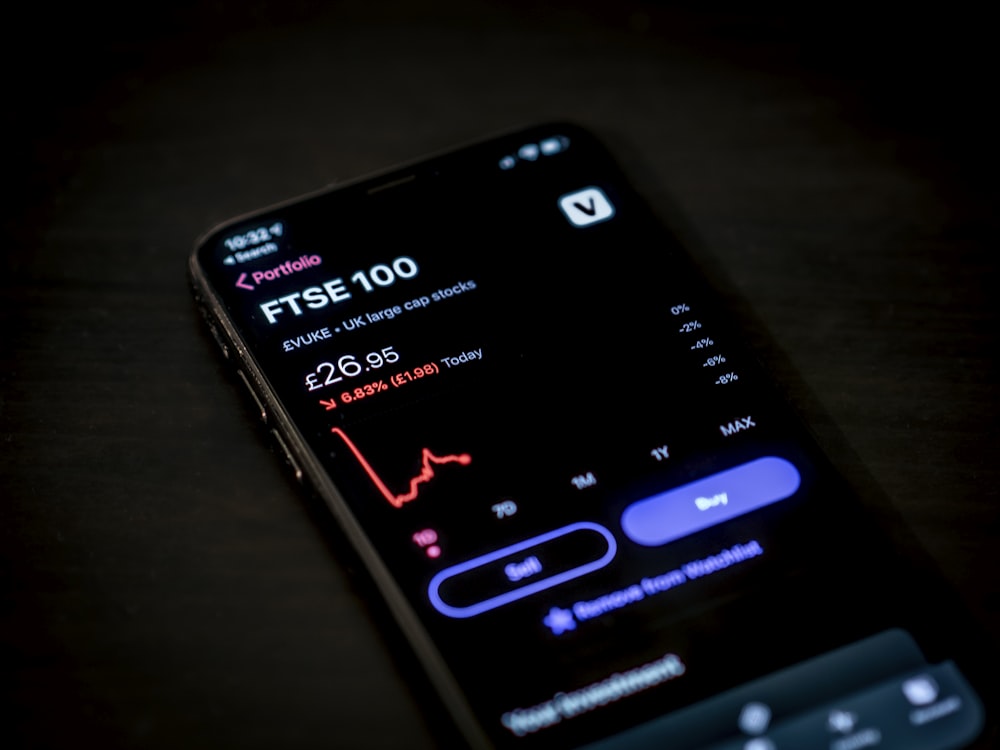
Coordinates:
(253, 394)
(296, 469)
(219, 340)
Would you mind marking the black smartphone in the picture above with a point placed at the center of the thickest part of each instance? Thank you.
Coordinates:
(594, 518)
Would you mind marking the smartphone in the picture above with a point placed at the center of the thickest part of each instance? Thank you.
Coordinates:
(594, 518)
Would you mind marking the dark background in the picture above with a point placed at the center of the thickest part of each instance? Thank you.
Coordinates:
(163, 583)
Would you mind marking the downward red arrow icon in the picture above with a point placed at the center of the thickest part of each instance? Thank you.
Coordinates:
(240, 282)
(330, 405)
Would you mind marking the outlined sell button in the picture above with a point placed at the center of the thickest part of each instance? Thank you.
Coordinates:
(527, 567)
(586, 207)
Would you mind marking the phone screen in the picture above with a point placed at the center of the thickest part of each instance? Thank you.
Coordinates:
(595, 519)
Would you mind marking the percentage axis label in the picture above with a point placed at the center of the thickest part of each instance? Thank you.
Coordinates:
(729, 377)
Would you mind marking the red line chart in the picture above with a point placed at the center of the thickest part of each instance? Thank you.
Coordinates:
(427, 461)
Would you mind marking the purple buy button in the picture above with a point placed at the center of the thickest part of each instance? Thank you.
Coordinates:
(706, 502)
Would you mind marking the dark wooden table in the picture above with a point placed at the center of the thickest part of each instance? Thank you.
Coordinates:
(163, 584)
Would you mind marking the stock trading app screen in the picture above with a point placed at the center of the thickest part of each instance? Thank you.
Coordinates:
(596, 507)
